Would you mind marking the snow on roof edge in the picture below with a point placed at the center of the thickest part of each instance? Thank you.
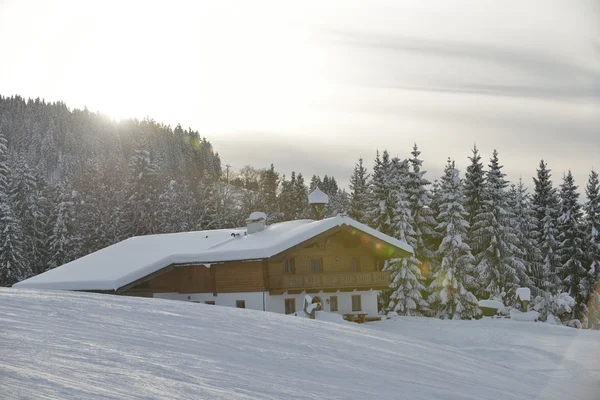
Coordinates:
(221, 247)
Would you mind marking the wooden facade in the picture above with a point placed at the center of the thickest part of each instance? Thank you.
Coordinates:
(339, 260)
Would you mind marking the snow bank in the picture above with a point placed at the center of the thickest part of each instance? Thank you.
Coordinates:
(330, 317)
(491, 304)
(68, 345)
(524, 316)
(524, 294)
(122, 263)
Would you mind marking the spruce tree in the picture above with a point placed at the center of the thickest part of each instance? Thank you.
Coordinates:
(545, 206)
(300, 191)
(13, 266)
(592, 246)
(450, 297)
(142, 201)
(405, 297)
(420, 201)
(474, 187)
(65, 241)
(359, 193)
(381, 205)
(524, 223)
(269, 185)
(572, 269)
(172, 212)
(500, 268)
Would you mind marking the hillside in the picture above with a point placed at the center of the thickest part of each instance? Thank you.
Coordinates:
(58, 345)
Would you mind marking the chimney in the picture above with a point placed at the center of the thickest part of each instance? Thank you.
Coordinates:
(256, 222)
(317, 200)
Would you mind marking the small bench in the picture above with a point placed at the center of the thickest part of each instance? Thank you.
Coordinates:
(361, 318)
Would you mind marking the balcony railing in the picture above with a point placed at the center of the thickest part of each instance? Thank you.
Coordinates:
(315, 281)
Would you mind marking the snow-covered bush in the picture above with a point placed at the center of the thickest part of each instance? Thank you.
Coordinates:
(554, 308)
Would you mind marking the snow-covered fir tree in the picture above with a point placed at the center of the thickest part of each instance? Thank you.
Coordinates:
(381, 205)
(269, 186)
(500, 268)
(405, 293)
(545, 205)
(450, 297)
(143, 192)
(524, 223)
(419, 198)
(65, 240)
(474, 186)
(359, 193)
(172, 213)
(293, 198)
(592, 246)
(13, 265)
(573, 269)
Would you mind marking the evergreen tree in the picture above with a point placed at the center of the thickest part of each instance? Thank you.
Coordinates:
(592, 246)
(382, 204)
(545, 206)
(64, 242)
(142, 202)
(500, 268)
(269, 185)
(474, 189)
(592, 225)
(359, 193)
(405, 297)
(172, 211)
(12, 263)
(572, 268)
(420, 201)
(524, 223)
(450, 297)
(338, 203)
(292, 198)
(300, 209)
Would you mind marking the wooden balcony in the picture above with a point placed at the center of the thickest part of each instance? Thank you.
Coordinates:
(346, 281)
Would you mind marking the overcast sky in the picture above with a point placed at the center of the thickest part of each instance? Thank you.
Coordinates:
(312, 87)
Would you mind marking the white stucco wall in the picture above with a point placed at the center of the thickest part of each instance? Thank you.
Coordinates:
(368, 302)
(254, 300)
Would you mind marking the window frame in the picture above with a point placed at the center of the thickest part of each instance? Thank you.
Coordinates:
(240, 302)
(356, 268)
(291, 301)
(291, 263)
(320, 260)
(333, 300)
(359, 307)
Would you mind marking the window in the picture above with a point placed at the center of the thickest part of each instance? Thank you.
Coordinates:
(211, 302)
(289, 266)
(356, 306)
(240, 303)
(316, 265)
(380, 265)
(356, 264)
(290, 306)
(333, 303)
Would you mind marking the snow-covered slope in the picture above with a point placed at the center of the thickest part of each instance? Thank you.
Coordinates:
(60, 345)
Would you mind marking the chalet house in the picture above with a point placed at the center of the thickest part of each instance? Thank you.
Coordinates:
(338, 261)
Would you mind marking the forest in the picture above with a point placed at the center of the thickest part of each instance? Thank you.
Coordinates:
(75, 181)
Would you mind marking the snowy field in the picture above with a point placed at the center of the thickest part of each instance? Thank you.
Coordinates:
(61, 345)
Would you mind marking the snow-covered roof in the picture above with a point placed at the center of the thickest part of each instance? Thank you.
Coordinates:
(524, 294)
(318, 197)
(122, 263)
